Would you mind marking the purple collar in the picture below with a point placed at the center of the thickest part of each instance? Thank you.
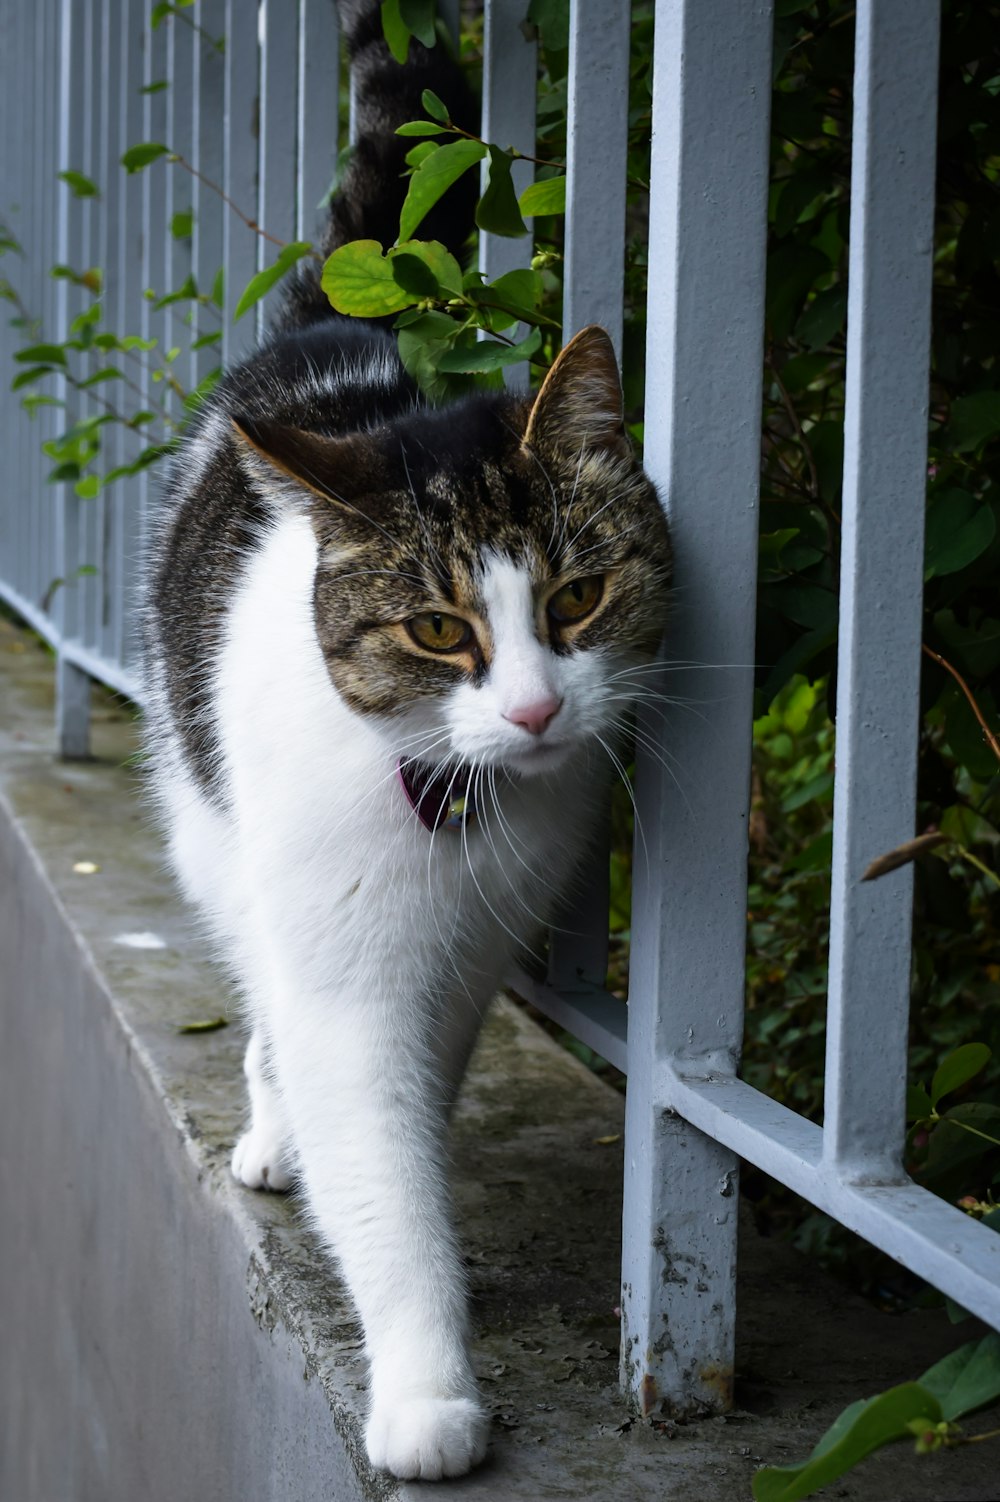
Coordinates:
(439, 799)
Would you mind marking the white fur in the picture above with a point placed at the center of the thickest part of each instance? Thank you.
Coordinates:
(368, 948)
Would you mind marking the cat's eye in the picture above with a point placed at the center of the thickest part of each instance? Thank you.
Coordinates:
(576, 599)
(439, 632)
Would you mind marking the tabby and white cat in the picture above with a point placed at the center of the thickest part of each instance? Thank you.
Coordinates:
(387, 649)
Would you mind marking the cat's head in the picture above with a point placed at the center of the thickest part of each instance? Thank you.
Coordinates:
(489, 574)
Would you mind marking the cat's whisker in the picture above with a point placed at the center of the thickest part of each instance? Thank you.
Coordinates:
(623, 774)
(661, 755)
(484, 780)
(468, 861)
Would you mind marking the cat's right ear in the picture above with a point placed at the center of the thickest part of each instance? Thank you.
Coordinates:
(580, 406)
(325, 478)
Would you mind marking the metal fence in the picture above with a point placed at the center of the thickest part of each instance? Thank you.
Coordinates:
(260, 118)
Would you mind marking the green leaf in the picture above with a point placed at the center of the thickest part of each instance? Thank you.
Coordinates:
(395, 31)
(54, 354)
(434, 106)
(419, 153)
(187, 290)
(964, 733)
(816, 856)
(107, 373)
(210, 1025)
(82, 186)
(918, 1103)
(552, 19)
(28, 377)
(487, 355)
(264, 280)
(88, 318)
(358, 279)
(218, 292)
(63, 473)
(967, 1379)
(823, 318)
(88, 487)
(182, 224)
(446, 270)
(809, 792)
(155, 88)
(414, 275)
(860, 1429)
(418, 16)
(958, 1068)
(547, 196)
(959, 529)
(974, 646)
(792, 270)
(522, 288)
(421, 128)
(433, 178)
(140, 156)
(972, 420)
(497, 210)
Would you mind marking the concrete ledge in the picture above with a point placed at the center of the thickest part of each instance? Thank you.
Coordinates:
(170, 1337)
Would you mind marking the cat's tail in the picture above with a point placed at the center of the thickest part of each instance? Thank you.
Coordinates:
(369, 196)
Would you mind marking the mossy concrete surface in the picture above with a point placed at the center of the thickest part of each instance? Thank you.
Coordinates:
(171, 1337)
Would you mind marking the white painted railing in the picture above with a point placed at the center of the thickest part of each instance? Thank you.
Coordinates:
(261, 118)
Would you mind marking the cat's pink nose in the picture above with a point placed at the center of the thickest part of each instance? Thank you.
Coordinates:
(535, 717)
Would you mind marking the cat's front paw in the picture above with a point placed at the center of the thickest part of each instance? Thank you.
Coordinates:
(259, 1162)
(427, 1438)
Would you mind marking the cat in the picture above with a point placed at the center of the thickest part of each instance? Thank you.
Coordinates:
(388, 647)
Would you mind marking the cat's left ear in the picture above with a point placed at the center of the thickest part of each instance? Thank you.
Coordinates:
(301, 468)
(580, 407)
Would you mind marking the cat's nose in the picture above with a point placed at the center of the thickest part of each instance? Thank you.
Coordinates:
(535, 717)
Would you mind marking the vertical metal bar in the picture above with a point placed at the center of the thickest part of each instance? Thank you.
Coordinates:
(129, 491)
(240, 157)
(111, 446)
(44, 192)
(73, 248)
(208, 149)
(596, 151)
(278, 119)
(510, 74)
(156, 254)
(89, 251)
(65, 608)
(318, 113)
(594, 271)
(183, 192)
(707, 231)
(31, 151)
(878, 691)
(72, 710)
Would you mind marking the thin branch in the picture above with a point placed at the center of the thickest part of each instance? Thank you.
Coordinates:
(793, 417)
(181, 161)
(943, 662)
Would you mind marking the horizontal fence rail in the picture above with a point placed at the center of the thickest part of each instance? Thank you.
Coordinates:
(259, 117)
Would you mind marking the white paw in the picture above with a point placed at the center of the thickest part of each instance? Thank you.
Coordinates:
(259, 1162)
(427, 1438)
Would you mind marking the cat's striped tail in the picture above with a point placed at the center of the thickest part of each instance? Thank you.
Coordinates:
(371, 190)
